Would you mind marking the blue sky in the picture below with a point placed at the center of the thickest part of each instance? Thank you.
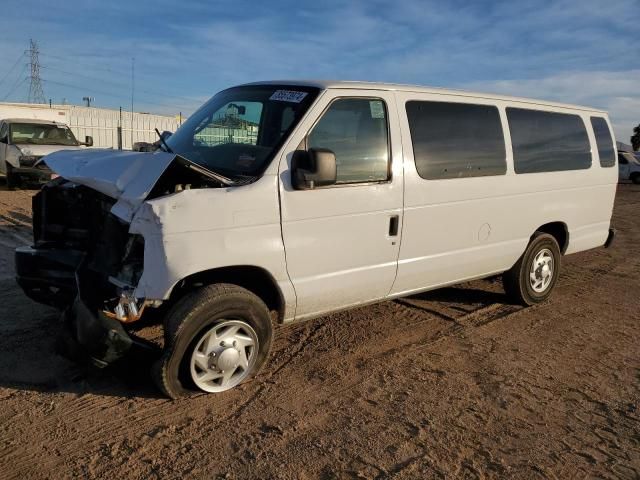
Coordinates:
(585, 52)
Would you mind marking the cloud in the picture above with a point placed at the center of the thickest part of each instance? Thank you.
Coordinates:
(616, 92)
(187, 51)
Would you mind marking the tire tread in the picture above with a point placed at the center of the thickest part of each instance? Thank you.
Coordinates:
(177, 320)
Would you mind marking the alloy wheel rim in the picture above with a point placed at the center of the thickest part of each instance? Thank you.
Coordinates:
(541, 271)
(224, 356)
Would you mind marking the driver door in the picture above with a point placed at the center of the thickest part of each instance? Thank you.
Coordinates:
(342, 241)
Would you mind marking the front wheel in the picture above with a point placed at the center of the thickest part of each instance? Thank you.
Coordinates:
(215, 338)
(536, 272)
(635, 178)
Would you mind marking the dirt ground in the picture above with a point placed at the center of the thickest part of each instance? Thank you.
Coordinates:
(455, 383)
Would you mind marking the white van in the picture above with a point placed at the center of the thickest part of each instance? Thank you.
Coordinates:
(285, 201)
(25, 141)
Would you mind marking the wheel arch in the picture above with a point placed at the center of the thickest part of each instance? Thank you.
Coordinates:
(557, 230)
(255, 279)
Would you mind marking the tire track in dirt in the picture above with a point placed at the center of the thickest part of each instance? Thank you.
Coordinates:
(310, 332)
(303, 336)
(463, 324)
(163, 412)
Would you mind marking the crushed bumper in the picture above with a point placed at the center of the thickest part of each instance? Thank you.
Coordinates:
(102, 339)
(48, 275)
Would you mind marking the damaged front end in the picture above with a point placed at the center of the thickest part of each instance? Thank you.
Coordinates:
(84, 260)
(73, 228)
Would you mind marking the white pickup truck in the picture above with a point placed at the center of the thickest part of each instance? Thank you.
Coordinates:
(23, 144)
(285, 201)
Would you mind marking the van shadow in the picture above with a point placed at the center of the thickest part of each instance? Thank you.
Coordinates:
(468, 295)
(30, 358)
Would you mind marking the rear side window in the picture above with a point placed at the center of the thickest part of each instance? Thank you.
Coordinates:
(456, 140)
(604, 141)
(548, 141)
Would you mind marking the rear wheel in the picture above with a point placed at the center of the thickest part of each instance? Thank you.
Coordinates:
(215, 338)
(536, 272)
(12, 178)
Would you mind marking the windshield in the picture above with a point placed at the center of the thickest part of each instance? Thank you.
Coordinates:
(42, 134)
(239, 130)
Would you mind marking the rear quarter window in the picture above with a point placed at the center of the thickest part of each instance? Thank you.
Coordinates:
(456, 140)
(604, 141)
(548, 141)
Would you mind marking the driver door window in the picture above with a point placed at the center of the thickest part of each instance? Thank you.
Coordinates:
(356, 130)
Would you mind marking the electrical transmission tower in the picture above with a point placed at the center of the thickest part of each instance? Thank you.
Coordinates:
(36, 95)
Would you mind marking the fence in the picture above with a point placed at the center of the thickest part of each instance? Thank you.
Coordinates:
(100, 123)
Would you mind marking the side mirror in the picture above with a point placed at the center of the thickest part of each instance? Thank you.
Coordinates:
(88, 141)
(313, 168)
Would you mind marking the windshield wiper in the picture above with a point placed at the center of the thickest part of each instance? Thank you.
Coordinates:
(244, 179)
(205, 171)
(163, 141)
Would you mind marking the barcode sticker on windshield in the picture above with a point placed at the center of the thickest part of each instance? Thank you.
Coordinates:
(288, 96)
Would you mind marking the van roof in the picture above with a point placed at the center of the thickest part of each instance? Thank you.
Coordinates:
(343, 84)
(31, 120)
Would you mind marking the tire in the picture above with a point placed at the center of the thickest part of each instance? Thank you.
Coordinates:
(527, 287)
(218, 308)
(635, 178)
(12, 178)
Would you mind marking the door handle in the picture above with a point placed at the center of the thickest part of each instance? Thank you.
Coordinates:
(393, 225)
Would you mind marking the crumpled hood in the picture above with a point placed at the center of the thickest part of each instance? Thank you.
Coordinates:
(125, 176)
(42, 150)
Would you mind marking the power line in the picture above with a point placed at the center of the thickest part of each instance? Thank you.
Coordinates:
(139, 93)
(109, 94)
(12, 67)
(88, 77)
(36, 95)
(125, 86)
(16, 85)
(19, 81)
(118, 71)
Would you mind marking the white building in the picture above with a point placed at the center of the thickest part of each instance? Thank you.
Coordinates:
(100, 123)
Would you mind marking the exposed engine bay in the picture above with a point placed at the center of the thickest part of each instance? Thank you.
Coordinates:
(72, 217)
